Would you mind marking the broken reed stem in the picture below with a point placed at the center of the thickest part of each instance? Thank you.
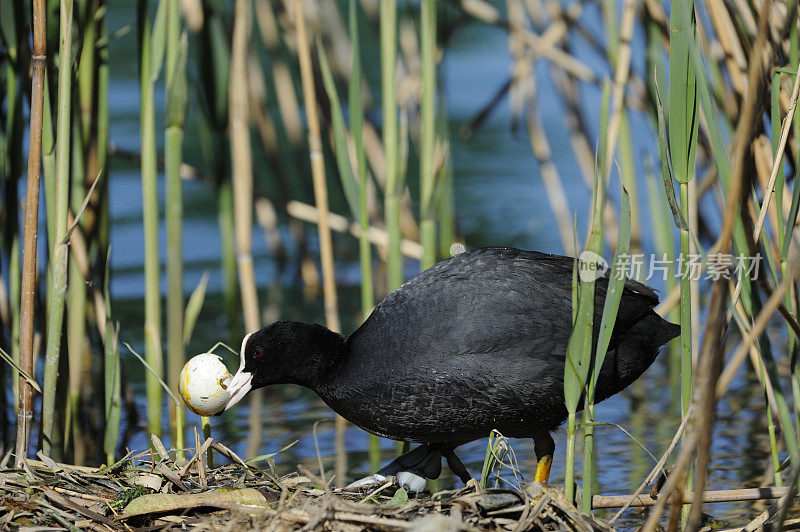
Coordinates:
(375, 235)
(321, 200)
(29, 268)
(59, 251)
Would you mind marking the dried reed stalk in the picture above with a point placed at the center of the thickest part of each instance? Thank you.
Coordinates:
(321, 200)
(242, 172)
(25, 411)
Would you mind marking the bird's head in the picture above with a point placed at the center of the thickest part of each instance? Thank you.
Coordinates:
(283, 352)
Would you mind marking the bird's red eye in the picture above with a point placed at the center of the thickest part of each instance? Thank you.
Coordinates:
(257, 353)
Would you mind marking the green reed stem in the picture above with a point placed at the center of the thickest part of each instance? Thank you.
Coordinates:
(427, 172)
(177, 96)
(149, 172)
(615, 288)
(112, 373)
(103, 119)
(446, 198)
(228, 242)
(356, 105)
(86, 74)
(393, 190)
(794, 348)
(775, 118)
(76, 303)
(683, 125)
(773, 442)
(49, 170)
(59, 248)
(12, 158)
(569, 459)
(206, 424)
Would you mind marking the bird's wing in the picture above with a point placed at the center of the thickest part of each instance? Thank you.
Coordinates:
(493, 300)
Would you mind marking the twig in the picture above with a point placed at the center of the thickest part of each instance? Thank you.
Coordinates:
(774, 508)
(760, 323)
(376, 491)
(746, 494)
(770, 190)
(24, 374)
(153, 373)
(376, 235)
(80, 212)
(659, 467)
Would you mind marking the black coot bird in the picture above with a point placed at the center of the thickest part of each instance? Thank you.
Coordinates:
(476, 342)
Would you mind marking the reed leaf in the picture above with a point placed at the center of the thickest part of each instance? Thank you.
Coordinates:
(348, 180)
(579, 351)
(683, 116)
(193, 307)
(616, 285)
(580, 348)
(25, 375)
(666, 173)
(158, 39)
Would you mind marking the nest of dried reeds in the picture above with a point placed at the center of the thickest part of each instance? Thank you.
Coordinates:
(154, 490)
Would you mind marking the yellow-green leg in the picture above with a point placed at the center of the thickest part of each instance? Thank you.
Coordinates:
(544, 447)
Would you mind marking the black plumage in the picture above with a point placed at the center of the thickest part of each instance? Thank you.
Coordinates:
(476, 342)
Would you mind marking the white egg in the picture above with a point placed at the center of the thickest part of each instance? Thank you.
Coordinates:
(204, 384)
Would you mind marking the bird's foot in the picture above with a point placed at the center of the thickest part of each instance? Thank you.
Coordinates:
(372, 481)
(407, 480)
(411, 482)
(411, 470)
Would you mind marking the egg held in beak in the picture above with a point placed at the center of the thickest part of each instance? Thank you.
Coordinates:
(204, 384)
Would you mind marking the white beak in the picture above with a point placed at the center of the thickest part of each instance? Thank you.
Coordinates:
(241, 383)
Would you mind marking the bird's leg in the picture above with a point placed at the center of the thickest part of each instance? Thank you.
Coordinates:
(456, 466)
(544, 447)
(411, 469)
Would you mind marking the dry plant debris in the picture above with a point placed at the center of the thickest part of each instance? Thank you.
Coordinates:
(152, 491)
